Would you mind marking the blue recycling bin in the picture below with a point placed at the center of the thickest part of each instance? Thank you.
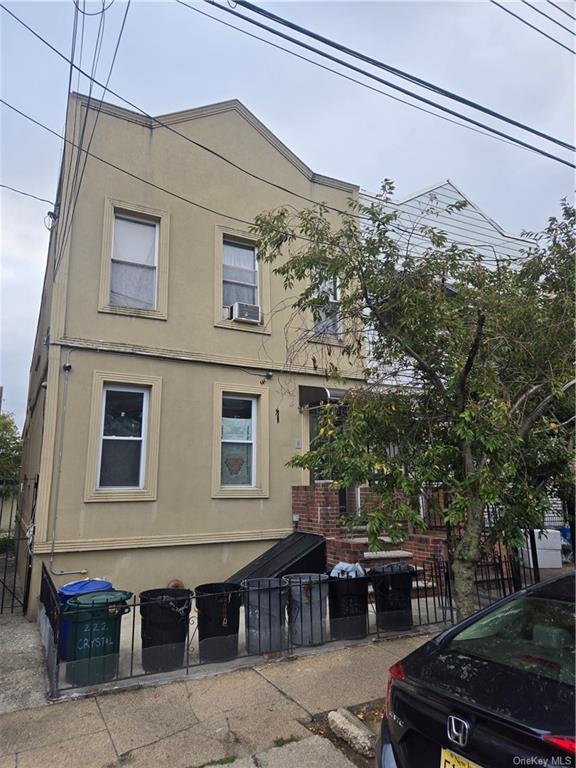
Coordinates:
(75, 589)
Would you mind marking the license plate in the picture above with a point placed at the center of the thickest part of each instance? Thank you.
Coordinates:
(450, 759)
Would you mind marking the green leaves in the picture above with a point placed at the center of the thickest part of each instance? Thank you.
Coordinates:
(10, 447)
(467, 368)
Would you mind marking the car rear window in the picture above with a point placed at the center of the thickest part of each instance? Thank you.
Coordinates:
(530, 633)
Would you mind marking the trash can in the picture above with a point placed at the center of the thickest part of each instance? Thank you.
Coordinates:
(308, 608)
(73, 589)
(393, 595)
(218, 607)
(348, 600)
(265, 603)
(164, 629)
(93, 641)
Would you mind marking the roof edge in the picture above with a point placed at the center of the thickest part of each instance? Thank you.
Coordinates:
(232, 105)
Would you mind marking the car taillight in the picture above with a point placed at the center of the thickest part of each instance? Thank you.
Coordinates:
(567, 743)
(396, 672)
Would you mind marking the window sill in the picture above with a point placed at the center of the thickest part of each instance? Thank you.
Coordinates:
(122, 495)
(151, 314)
(250, 328)
(240, 493)
(326, 340)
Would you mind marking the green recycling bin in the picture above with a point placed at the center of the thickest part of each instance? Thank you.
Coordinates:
(93, 641)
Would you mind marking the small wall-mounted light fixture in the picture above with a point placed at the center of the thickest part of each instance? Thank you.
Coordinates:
(44, 384)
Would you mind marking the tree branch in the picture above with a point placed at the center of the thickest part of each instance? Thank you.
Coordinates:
(539, 410)
(436, 380)
(461, 397)
(524, 397)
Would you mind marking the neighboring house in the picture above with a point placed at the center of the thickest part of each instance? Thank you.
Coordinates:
(163, 404)
(319, 508)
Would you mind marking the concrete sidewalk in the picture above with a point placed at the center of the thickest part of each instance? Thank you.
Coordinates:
(198, 721)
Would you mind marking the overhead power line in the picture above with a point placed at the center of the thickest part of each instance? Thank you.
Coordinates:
(98, 111)
(351, 79)
(445, 221)
(392, 70)
(72, 177)
(550, 18)
(160, 188)
(159, 122)
(561, 10)
(27, 194)
(532, 26)
(391, 85)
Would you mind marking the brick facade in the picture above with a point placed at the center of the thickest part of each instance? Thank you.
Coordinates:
(319, 509)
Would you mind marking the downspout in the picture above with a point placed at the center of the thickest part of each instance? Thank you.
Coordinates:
(67, 367)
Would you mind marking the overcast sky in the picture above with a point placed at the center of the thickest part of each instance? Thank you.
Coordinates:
(172, 58)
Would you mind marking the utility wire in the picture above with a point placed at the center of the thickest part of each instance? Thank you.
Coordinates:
(550, 18)
(159, 122)
(348, 77)
(93, 13)
(135, 176)
(392, 70)
(27, 194)
(389, 84)
(532, 26)
(197, 144)
(66, 217)
(64, 192)
(98, 111)
(561, 10)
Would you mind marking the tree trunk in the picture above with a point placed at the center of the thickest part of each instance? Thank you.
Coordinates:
(466, 557)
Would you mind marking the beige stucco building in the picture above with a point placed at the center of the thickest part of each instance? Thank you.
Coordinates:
(164, 401)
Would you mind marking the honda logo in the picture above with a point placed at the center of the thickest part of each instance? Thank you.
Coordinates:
(458, 730)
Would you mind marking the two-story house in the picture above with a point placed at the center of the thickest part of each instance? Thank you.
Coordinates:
(163, 405)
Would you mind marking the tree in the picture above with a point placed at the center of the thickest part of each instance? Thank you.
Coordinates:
(469, 374)
(10, 448)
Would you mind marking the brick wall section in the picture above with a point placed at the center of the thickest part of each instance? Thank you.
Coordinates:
(426, 545)
(318, 510)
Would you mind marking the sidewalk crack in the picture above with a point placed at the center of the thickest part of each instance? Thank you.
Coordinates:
(284, 694)
(107, 730)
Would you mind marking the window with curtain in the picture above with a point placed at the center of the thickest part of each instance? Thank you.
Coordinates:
(134, 263)
(240, 273)
(238, 449)
(123, 437)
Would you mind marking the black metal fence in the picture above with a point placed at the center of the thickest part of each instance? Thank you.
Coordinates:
(100, 640)
(15, 543)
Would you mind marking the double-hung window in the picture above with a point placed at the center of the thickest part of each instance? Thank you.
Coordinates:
(122, 458)
(133, 277)
(239, 274)
(328, 323)
(238, 441)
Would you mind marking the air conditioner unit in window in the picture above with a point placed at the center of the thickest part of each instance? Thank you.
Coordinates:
(245, 313)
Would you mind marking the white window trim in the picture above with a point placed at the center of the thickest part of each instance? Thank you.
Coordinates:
(149, 478)
(135, 212)
(143, 438)
(137, 220)
(262, 441)
(253, 442)
(263, 328)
